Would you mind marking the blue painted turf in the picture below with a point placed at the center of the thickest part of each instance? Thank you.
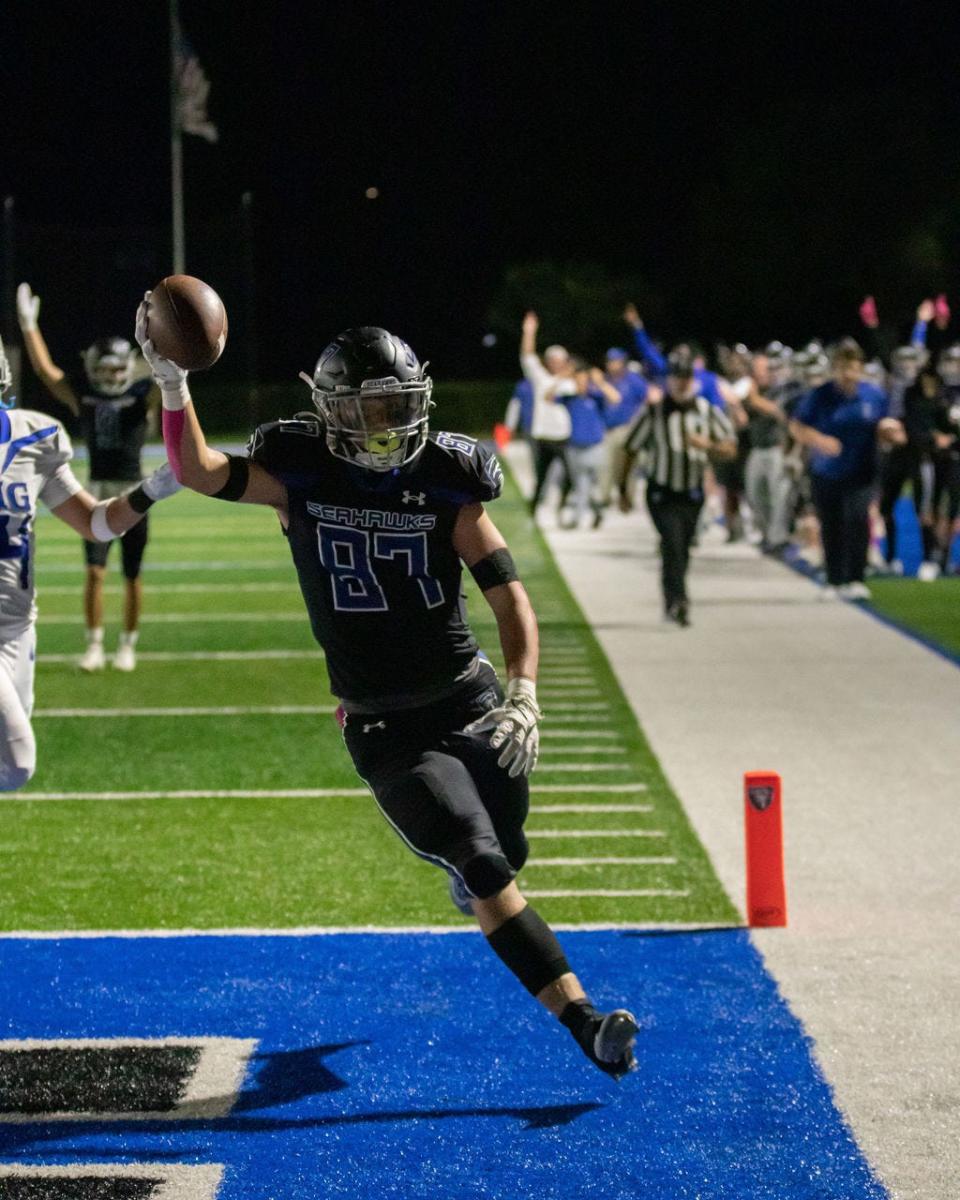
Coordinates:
(414, 1066)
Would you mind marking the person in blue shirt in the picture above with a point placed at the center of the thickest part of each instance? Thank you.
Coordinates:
(618, 414)
(519, 415)
(585, 451)
(655, 365)
(841, 423)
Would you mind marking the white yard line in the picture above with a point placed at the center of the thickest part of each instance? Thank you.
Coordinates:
(644, 860)
(271, 710)
(569, 734)
(592, 808)
(294, 793)
(48, 567)
(620, 893)
(190, 618)
(202, 656)
(67, 589)
(585, 767)
(594, 833)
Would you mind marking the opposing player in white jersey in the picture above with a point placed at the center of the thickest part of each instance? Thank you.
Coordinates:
(35, 455)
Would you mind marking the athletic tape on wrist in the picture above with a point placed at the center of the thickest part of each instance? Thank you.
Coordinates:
(138, 499)
(98, 523)
(174, 397)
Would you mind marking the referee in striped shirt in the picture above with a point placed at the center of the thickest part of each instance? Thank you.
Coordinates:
(678, 435)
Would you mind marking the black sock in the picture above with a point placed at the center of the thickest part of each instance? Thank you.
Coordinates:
(578, 1016)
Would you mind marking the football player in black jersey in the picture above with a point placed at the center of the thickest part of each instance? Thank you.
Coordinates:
(380, 514)
(113, 407)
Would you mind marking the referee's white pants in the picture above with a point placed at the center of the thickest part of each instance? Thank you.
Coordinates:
(18, 747)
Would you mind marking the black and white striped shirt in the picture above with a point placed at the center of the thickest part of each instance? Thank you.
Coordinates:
(663, 431)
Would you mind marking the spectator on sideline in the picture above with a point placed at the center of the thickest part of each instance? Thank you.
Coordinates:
(769, 487)
(550, 422)
(519, 414)
(585, 449)
(946, 459)
(655, 364)
(679, 431)
(841, 423)
(114, 408)
(619, 415)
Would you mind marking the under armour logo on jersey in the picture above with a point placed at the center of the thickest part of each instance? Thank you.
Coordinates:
(414, 497)
(375, 725)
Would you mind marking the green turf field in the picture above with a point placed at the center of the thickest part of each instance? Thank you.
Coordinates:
(108, 843)
(929, 609)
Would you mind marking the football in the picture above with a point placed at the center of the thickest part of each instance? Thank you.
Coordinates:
(187, 322)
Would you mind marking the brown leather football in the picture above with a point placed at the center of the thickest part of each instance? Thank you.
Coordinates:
(187, 322)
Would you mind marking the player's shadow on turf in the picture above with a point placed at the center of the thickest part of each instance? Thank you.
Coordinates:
(286, 1076)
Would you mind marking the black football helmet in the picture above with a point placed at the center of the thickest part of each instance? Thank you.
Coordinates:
(373, 396)
(948, 365)
(109, 364)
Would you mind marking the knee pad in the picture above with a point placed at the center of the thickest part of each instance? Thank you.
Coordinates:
(486, 874)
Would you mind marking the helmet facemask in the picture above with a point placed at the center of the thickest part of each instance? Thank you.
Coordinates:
(110, 366)
(381, 425)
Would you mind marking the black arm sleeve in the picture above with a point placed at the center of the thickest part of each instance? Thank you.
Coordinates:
(498, 567)
(237, 480)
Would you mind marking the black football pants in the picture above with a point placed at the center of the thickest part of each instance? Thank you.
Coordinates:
(675, 515)
(441, 789)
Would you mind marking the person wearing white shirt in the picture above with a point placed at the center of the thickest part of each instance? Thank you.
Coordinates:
(551, 379)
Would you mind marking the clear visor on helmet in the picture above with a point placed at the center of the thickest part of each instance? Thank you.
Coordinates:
(381, 425)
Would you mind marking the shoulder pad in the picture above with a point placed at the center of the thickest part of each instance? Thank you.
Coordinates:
(474, 467)
(290, 450)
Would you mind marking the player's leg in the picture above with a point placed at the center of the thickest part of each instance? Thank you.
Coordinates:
(132, 549)
(95, 553)
(514, 929)
(18, 747)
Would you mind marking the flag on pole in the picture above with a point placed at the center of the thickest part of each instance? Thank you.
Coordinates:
(192, 90)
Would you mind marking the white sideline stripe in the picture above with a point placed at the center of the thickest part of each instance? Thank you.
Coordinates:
(584, 767)
(62, 935)
(270, 710)
(586, 808)
(594, 833)
(290, 793)
(66, 589)
(198, 1181)
(198, 656)
(558, 893)
(649, 860)
(177, 618)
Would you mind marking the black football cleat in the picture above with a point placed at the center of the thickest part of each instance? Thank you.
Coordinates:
(606, 1038)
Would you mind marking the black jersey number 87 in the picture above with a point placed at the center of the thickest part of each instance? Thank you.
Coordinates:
(348, 555)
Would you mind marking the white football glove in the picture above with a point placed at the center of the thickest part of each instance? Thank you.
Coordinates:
(162, 483)
(28, 308)
(514, 726)
(171, 379)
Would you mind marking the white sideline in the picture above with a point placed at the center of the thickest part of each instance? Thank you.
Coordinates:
(861, 722)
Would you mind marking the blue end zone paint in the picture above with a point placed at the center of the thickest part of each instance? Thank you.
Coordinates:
(409, 1066)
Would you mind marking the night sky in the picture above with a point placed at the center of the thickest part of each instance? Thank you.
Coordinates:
(755, 167)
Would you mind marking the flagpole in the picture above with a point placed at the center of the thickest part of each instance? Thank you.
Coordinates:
(176, 145)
